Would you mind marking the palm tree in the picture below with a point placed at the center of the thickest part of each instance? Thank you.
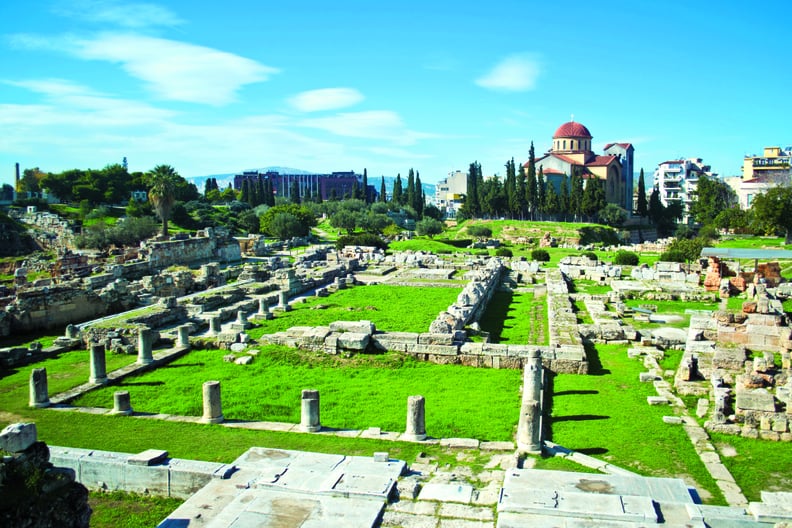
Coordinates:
(162, 180)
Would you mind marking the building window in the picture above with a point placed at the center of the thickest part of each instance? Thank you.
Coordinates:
(748, 199)
(565, 144)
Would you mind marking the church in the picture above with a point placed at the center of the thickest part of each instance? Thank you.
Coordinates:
(571, 153)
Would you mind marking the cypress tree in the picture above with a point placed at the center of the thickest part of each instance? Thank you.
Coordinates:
(419, 196)
(245, 196)
(397, 190)
(365, 186)
(641, 206)
(510, 188)
(563, 197)
(383, 197)
(530, 184)
(541, 191)
(472, 199)
(520, 192)
(294, 191)
(410, 198)
(355, 192)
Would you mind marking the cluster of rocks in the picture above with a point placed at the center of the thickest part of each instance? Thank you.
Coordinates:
(211, 244)
(607, 326)
(667, 272)
(33, 492)
(52, 230)
(471, 301)
(582, 267)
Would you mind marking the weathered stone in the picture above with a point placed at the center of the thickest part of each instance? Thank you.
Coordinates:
(309, 417)
(17, 437)
(244, 360)
(212, 403)
(39, 392)
(361, 327)
(121, 403)
(416, 419)
(98, 365)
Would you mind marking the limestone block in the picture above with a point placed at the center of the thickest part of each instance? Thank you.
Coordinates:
(755, 400)
(435, 339)
(244, 360)
(354, 341)
(361, 327)
(17, 437)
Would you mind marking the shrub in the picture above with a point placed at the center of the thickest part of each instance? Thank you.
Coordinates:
(503, 252)
(540, 255)
(672, 255)
(595, 234)
(625, 258)
(361, 239)
(591, 255)
(479, 231)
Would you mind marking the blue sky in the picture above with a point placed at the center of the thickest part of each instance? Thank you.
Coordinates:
(218, 87)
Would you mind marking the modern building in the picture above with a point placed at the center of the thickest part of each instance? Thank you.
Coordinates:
(571, 154)
(761, 173)
(449, 193)
(334, 185)
(677, 181)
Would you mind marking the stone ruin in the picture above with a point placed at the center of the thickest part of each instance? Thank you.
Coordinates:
(667, 272)
(584, 268)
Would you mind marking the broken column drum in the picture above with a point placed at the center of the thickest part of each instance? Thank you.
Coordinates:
(212, 405)
(39, 393)
(263, 308)
(98, 365)
(309, 407)
(529, 428)
(416, 419)
(241, 317)
(214, 325)
(145, 342)
(184, 336)
(283, 301)
(532, 377)
(121, 403)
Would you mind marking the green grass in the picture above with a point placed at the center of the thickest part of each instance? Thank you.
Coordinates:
(393, 308)
(582, 314)
(606, 415)
(759, 464)
(45, 337)
(516, 318)
(670, 307)
(426, 244)
(356, 393)
(591, 287)
(750, 242)
(118, 509)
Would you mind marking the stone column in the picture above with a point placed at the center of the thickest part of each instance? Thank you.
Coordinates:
(338, 284)
(532, 377)
(416, 419)
(98, 365)
(283, 301)
(263, 308)
(529, 428)
(214, 325)
(145, 339)
(722, 403)
(786, 360)
(212, 405)
(39, 393)
(184, 336)
(309, 417)
(121, 403)
(241, 317)
(72, 332)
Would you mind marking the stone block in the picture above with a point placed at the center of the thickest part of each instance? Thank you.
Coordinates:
(353, 341)
(657, 400)
(244, 360)
(361, 327)
(755, 400)
(17, 437)
(149, 457)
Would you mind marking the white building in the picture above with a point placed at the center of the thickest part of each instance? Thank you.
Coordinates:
(762, 173)
(449, 193)
(677, 181)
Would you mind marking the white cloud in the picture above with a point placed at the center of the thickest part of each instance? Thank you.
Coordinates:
(129, 15)
(373, 124)
(326, 99)
(516, 73)
(172, 70)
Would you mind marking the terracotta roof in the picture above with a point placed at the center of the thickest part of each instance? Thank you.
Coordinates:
(601, 161)
(572, 129)
(623, 145)
(552, 171)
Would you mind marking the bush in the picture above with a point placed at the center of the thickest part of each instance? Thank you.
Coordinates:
(590, 255)
(504, 252)
(598, 234)
(540, 255)
(625, 258)
(479, 231)
(672, 255)
(361, 239)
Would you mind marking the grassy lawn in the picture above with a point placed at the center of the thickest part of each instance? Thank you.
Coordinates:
(581, 313)
(758, 464)
(129, 510)
(750, 242)
(606, 415)
(356, 393)
(669, 307)
(394, 308)
(426, 244)
(591, 287)
(516, 318)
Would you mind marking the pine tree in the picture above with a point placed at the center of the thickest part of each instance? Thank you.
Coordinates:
(641, 206)
(472, 204)
(397, 190)
(245, 196)
(410, 199)
(520, 192)
(510, 188)
(383, 197)
(419, 196)
(563, 198)
(365, 186)
(530, 184)
(541, 191)
(294, 191)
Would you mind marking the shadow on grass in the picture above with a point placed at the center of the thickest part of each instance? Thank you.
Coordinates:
(182, 365)
(142, 383)
(595, 365)
(579, 418)
(496, 313)
(591, 450)
(575, 392)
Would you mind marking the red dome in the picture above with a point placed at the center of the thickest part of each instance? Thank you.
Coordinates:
(572, 130)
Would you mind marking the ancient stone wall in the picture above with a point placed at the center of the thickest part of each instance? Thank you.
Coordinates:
(210, 247)
(471, 301)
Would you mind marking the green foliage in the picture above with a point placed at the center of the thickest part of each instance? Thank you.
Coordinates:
(673, 255)
(590, 255)
(625, 258)
(641, 205)
(361, 239)
(504, 252)
(771, 212)
(735, 219)
(595, 234)
(540, 255)
(137, 208)
(429, 227)
(612, 215)
(478, 230)
(712, 196)
(287, 220)
(128, 232)
(689, 249)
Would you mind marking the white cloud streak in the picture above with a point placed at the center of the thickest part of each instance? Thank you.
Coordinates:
(326, 99)
(128, 15)
(515, 73)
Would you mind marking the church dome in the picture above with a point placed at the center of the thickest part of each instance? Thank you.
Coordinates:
(572, 130)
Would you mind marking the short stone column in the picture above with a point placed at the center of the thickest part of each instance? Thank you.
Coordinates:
(39, 392)
(532, 377)
(212, 404)
(283, 301)
(309, 416)
(416, 419)
(72, 332)
(145, 344)
(722, 404)
(98, 365)
(338, 284)
(529, 427)
(121, 403)
(215, 325)
(786, 360)
(184, 336)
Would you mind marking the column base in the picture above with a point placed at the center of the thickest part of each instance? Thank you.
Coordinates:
(413, 437)
(215, 420)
